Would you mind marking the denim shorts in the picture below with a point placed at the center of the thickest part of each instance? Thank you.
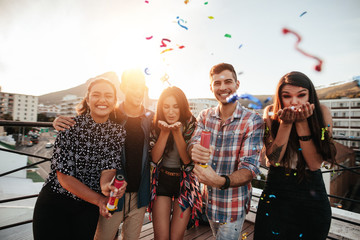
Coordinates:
(229, 230)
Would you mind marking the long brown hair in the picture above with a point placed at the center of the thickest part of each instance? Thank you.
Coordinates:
(83, 107)
(185, 113)
(316, 122)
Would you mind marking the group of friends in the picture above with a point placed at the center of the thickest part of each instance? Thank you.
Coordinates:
(163, 163)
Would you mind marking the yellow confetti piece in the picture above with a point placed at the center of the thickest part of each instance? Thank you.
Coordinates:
(277, 164)
(210, 17)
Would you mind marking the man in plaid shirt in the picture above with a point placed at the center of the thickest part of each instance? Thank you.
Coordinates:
(233, 158)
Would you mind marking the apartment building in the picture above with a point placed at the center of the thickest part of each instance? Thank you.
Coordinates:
(346, 118)
(68, 105)
(20, 106)
(198, 104)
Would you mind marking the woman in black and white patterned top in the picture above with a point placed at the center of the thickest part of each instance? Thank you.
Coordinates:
(69, 204)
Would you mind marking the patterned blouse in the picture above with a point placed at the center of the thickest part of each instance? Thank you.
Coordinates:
(84, 150)
(190, 195)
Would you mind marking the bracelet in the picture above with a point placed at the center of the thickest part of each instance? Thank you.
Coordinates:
(305, 138)
(226, 184)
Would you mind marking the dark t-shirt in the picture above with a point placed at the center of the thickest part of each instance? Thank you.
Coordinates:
(134, 144)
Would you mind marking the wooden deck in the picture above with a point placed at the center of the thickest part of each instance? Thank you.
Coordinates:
(199, 233)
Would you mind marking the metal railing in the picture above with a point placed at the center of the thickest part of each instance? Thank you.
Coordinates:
(47, 124)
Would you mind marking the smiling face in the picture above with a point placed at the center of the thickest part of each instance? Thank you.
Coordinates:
(101, 101)
(293, 96)
(171, 110)
(223, 85)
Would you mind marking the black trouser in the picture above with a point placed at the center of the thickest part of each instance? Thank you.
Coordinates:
(57, 216)
(289, 209)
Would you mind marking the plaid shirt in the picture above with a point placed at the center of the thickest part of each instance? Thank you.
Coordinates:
(237, 145)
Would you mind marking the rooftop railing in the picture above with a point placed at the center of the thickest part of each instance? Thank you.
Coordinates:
(337, 216)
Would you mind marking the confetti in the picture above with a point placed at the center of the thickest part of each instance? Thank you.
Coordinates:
(210, 17)
(227, 35)
(244, 236)
(300, 235)
(317, 67)
(266, 214)
(240, 46)
(275, 233)
(303, 14)
(180, 24)
(272, 196)
(206, 3)
(148, 38)
(146, 1)
(147, 71)
(162, 41)
(186, 1)
(323, 130)
(166, 50)
(277, 164)
(300, 149)
(181, 47)
(165, 78)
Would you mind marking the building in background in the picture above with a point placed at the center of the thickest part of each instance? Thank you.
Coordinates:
(199, 104)
(68, 105)
(49, 110)
(346, 118)
(19, 106)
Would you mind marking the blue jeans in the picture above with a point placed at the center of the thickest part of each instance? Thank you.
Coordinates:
(227, 231)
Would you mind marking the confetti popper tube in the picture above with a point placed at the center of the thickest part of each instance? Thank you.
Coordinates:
(113, 201)
(205, 142)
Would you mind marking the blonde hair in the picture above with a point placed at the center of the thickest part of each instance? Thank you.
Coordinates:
(83, 107)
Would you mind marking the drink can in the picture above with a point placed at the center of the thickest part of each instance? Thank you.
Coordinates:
(113, 201)
(205, 139)
(205, 142)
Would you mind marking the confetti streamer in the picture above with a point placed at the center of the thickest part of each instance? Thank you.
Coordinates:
(303, 14)
(147, 71)
(148, 38)
(166, 50)
(317, 67)
(180, 24)
(163, 44)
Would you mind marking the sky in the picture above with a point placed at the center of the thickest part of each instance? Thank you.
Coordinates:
(48, 46)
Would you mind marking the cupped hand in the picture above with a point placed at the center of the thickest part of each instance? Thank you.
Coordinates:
(287, 115)
(163, 125)
(175, 126)
(304, 111)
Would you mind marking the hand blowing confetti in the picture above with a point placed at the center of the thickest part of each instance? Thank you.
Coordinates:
(317, 67)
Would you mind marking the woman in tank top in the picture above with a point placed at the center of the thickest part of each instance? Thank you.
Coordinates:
(294, 202)
(175, 194)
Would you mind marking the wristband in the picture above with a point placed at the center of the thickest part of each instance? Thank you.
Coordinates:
(226, 184)
(305, 138)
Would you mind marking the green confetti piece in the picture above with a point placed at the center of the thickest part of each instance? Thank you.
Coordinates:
(227, 35)
(205, 3)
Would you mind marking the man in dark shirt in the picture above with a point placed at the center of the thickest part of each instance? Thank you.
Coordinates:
(137, 122)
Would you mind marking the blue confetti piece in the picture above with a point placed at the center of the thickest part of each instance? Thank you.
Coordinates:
(272, 196)
(300, 149)
(275, 233)
(266, 214)
(300, 235)
(303, 14)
